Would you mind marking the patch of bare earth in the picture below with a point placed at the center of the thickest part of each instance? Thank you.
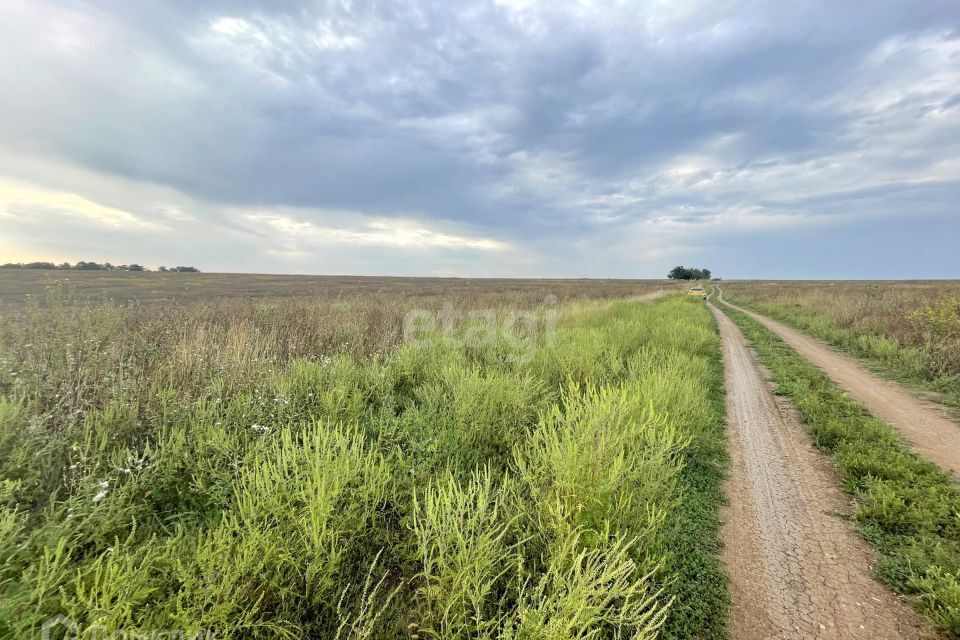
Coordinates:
(797, 569)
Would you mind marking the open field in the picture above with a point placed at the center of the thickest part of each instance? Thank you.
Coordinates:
(294, 468)
(123, 286)
(907, 329)
(401, 458)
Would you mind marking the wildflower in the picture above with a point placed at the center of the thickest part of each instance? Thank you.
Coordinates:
(259, 428)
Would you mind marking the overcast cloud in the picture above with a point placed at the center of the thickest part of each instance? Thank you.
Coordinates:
(503, 138)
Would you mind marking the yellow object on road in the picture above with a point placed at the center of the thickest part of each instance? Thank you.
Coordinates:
(700, 292)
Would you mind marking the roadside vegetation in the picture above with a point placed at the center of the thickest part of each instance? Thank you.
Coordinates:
(906, 506)
(259, 469)
(908, 330)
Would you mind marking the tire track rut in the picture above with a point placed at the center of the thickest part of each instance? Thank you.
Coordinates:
(796, 570)
(926, 426)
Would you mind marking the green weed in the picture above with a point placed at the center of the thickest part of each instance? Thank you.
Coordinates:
(257, 477)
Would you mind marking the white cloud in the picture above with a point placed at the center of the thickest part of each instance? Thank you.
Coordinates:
(393, 233)
(26, 201)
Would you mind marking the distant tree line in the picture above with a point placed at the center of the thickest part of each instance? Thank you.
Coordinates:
(92, 266)
(684, 273)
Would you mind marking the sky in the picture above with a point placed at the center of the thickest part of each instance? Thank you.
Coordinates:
(484, 138)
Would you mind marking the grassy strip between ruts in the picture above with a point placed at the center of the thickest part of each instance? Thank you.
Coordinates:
(906, 506)
(911, 365)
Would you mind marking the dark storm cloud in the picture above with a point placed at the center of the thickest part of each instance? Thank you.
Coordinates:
(528, 123)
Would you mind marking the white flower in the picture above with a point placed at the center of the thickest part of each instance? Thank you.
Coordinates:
(259, 428)
(100, 496)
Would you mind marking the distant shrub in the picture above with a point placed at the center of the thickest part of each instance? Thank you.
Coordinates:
(89, 266)
(685, 273)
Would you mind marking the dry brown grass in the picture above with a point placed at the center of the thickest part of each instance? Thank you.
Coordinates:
(82, 330)
(122, 286)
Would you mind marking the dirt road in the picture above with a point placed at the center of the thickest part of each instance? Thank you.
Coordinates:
(796, 571)
(928, 427)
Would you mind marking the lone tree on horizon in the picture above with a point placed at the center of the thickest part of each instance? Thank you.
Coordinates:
(683, 273)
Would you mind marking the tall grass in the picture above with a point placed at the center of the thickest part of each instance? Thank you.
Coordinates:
(239, 475)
